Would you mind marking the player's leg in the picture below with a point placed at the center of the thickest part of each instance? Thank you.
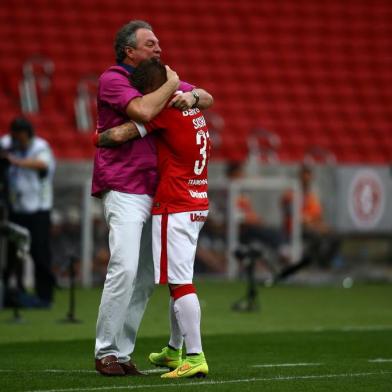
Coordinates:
(176, 340)
(125, 215)
(188, 314)
(182, 234)
(171, 355)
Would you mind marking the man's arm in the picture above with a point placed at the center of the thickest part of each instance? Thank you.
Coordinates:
(115, 136)
(120, 134)
(206, 100)
(144, 109)
(188, 100)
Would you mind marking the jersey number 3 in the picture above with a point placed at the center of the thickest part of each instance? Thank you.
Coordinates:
(201, 139)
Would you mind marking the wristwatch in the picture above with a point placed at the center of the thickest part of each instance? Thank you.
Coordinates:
(197, 97)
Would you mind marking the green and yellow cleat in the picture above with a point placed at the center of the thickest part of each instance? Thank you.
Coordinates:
(192, 366)
(168, 357)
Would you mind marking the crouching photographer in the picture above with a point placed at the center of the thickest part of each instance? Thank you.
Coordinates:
(28, 168)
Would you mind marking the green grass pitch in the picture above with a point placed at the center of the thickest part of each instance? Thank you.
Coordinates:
(303, 339)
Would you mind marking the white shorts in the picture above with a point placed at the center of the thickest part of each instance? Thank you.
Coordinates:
(174, 242)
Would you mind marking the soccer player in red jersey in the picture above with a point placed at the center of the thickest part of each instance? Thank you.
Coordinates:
(180, 208)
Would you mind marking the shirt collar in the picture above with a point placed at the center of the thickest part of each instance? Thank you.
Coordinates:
(127, 67)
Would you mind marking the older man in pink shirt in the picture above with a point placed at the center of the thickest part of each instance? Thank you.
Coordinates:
(125, 177)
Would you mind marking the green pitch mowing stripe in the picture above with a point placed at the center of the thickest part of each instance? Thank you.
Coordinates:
(283, 308)
(343, 357)
(339, 329)
(202, 383)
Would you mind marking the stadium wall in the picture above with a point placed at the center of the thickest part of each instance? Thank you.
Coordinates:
(365, 229)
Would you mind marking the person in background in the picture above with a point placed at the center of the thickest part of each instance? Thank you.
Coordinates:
(30, 187)
(256, 241)
(320, 242)
(211, 248)
(253, 231)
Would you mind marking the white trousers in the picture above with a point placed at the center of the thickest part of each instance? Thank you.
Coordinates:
(130, 274)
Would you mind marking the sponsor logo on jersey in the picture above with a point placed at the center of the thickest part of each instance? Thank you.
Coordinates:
(198, 182)
(198, 217)
(199, 122)
(198, 195)
(190, 112)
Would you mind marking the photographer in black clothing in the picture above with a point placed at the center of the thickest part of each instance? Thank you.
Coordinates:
(28, 188)
(4, 163)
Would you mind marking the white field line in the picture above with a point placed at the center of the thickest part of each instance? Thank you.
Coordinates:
(380, 360)
(270, 365)
(148, 371)
(348, 328)
(212, 382)
(367, 328)
(151, 371)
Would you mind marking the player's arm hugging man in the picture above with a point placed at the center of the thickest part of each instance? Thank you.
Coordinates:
(190, 101)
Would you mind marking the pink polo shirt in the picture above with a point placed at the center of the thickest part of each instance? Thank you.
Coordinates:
(132, 166)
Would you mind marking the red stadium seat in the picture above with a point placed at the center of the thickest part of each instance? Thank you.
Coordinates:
(302, 70)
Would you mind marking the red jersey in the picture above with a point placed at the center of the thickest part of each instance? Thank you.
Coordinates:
(183, 147)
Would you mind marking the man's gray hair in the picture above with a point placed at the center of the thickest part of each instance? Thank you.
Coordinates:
(126, 36)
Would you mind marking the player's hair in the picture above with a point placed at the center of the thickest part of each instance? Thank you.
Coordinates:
(148, 75)
(126, 36)
(22, 124)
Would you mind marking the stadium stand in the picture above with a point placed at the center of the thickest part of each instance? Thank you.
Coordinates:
(314, 73)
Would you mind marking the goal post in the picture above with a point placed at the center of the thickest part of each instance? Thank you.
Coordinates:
(234, 189)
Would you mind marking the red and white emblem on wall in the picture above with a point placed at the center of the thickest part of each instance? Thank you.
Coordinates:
(366, 199)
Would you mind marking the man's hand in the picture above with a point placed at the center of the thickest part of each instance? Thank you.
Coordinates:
(172, 77)
(144, 109)
(187, 100)
(183, 101)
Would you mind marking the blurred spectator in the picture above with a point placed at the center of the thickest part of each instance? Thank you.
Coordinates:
(211, 246)
(30, 177)
(65, 242)
(255, 235)
(320, 242)
(257, 242)
(101, 254)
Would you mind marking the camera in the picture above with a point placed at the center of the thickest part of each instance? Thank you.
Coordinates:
(4, 164)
